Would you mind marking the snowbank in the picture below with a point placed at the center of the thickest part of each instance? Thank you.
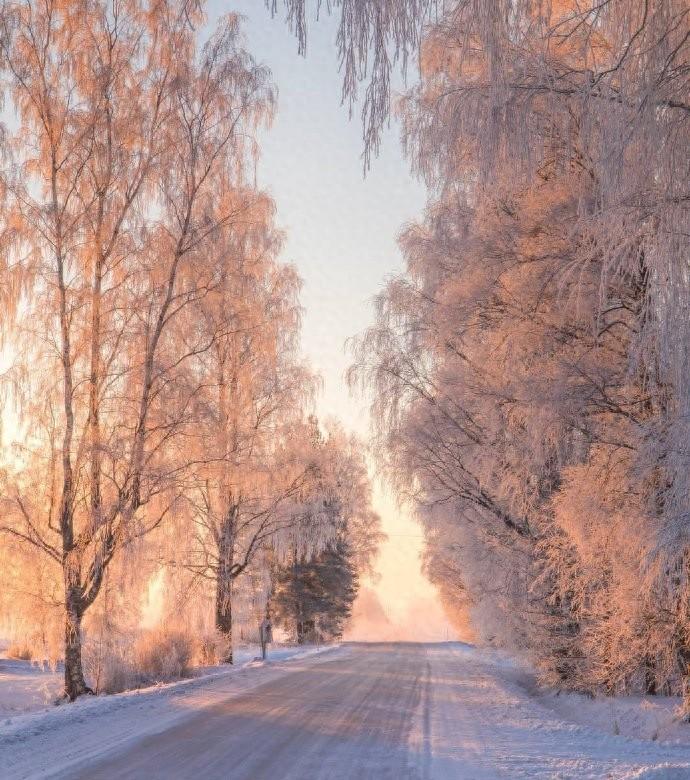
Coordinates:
(653, 718)
(482, 717)
(27, 687)
(650, 717)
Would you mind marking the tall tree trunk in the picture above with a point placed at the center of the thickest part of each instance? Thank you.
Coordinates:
(685, 685)
(301, 635)
(299, 607)
(650, 687)
(74, 676)
(224, 613)
(94, 399)
(224, 581)
(75, 684)
(302, 623)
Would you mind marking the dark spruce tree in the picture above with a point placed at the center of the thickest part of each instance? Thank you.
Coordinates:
(312, 599)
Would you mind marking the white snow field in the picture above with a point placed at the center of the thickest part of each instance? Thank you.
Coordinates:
(386, 710)
(25, 687)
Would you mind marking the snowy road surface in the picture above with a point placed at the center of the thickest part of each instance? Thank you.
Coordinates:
(363, 711)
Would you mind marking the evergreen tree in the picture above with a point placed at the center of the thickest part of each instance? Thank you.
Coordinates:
(313, 598)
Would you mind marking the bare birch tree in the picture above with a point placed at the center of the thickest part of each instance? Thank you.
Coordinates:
(123, 137)
(255, 389)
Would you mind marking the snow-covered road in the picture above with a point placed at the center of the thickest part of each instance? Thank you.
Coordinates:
(363, 711)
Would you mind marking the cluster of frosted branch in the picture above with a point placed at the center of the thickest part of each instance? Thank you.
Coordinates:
(530, 369)
(373, 37)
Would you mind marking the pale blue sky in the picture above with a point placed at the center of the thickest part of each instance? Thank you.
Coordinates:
(341, 235)
(341, 227)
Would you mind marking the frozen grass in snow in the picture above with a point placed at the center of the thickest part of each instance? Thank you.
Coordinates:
(25, 687)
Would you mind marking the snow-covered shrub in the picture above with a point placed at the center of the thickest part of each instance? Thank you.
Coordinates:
(110, 671)
(162, 655)
(209, 648)
(20, 651)
(154, 656)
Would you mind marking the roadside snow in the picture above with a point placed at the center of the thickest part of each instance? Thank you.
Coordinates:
(643, 717)
(653, 718)
(480, 720)
(26, 686)
(40, 743)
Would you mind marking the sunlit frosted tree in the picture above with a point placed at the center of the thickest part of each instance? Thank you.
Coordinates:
(530, 368)
(125, 130)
